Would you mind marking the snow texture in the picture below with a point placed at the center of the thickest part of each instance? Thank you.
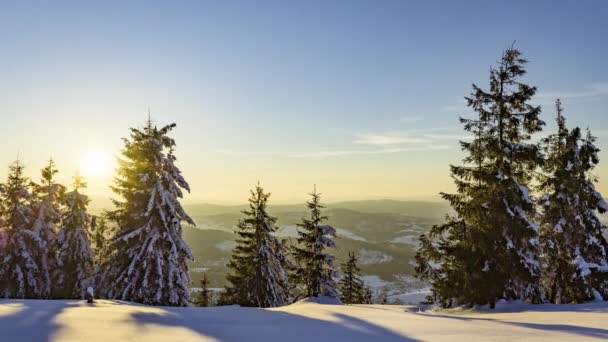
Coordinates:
(147, 258)
(60, 320)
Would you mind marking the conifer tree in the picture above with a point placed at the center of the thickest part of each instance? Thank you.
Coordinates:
(204, 296)
(352, 288)
(383, 296)
(575, 261)
(489, 248)
(257, 269)
(74, 253)
(146, 259)
(368, 296)
(99, 229)
(3, 240)
(47, 209)
(20, 275)
(314, 266)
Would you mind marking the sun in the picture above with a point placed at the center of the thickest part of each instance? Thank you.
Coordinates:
(96, 165)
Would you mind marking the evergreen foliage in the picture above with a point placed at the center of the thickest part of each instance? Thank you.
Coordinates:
(47, 208)
(75, 256)
(257, 269)
(314, 266)
(99, 230)
(205, 296)
(20, 274)
(575, 261)
(146, 260)
(352, 288)
(489, 248)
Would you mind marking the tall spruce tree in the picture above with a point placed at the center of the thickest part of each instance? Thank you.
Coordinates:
(352, 288)
(47, 208)
(75, 256)
(575, 260)
(146, 259)
(314, 266)
(489, 248)
(257, 269)
(20, 274)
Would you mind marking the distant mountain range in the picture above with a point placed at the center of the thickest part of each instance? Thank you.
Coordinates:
(425, 209)
(384, 233)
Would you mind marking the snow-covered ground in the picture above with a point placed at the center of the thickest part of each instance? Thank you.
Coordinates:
(116, 321)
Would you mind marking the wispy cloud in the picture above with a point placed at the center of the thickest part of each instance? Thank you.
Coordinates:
(593, 90)
(388, 139)
(338, 153)
(589, 91)
(431, 139)
(459, 106)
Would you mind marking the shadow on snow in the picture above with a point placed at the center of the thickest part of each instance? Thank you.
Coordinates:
(252, 324)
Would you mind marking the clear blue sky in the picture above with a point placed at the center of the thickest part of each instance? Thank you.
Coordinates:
(360, 97)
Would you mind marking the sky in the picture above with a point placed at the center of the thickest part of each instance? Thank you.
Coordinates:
(361, 98)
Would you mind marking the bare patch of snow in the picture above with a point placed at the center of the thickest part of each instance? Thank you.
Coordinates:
(371, 257)
(225, 245)
(407, 240)
(374, 281)
(349, 235)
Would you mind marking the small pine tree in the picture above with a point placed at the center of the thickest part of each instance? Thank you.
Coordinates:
(99, 230)
(146, 260)
(351, 286)
(47, 212)
(205, 296)
(368, 296)
(383, 296)
(314, 267)
(20, 275)
(489, 249)
(74, 254)
(575, 260)
(257, 269)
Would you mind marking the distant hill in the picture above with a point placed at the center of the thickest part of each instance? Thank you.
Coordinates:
(425, 209)
(384, 233)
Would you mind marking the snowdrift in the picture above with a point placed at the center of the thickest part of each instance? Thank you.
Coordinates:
(60, 320)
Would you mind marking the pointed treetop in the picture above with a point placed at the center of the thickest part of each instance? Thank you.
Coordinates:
(49, 172)
(149, 123)
(561, 120)
(78, 182)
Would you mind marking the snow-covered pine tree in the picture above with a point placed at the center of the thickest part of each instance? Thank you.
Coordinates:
(47, 209)
(74, 253)
(20, 275)
(575, 259)
(146, 259)
(352, 288)
(257, 268)
(314, 266)
(489, 248)
(205, 296)
(3, 240)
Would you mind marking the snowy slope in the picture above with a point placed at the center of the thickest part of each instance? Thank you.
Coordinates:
(116, 321)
